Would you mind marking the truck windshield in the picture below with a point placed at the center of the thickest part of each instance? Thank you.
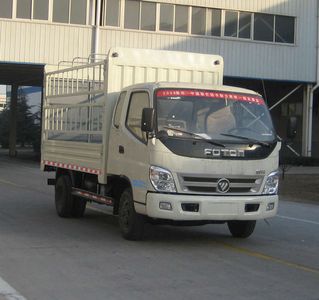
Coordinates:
(214, 115)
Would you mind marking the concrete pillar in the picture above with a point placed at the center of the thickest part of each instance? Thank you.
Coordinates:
(307, 121)
(13, 121)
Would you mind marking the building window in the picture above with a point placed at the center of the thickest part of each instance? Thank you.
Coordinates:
(216, 18)
(181, 18)
(69, 11)
(238, 24)
(112, 12)
(78, 11)
(6, 9)
(285, 29)
(140, 15)
(264, 27)
(198, 20)
(148, 16)
(244, 31)
(61, 11)
(24, 9)
(166, 17)
(32, 9)
(40, 9)
(173, 18)
(132, 14)
(231, 23)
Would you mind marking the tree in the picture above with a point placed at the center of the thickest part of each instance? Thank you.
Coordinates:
(28, 127)
(4, 127)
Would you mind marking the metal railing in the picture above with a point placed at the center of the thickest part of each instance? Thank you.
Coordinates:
(85, 79)
(71, 110)
(81, 122)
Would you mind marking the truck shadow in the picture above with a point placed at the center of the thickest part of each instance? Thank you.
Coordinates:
(108, 224)
(154, 232)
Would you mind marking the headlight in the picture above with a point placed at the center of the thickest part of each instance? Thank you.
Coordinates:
(162, 180)
(271, 185)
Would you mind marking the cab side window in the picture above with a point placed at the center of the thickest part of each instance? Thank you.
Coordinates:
(118, 111)
(139, 100)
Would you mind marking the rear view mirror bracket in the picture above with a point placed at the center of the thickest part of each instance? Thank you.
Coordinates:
(148, 117)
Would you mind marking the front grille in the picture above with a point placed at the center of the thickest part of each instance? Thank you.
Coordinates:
(208, 184)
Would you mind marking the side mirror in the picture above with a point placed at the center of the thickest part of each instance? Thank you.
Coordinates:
(147, 124)
(292, 127)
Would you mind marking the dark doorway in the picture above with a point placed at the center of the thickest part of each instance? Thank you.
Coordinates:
(21, 88)
(272, 92)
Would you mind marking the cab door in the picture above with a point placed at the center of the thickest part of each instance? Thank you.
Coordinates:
(131, 144)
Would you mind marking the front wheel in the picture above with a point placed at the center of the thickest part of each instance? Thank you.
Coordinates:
(131, 223)
(241, 229)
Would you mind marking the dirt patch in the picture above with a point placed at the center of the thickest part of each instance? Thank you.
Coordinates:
(300, 187)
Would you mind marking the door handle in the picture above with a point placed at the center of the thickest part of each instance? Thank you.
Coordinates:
(121, 149)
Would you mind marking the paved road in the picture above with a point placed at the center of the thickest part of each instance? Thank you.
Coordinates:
(46, 257)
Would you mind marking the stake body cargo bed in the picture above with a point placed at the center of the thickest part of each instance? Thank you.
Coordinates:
(79, 101)
(156, 135)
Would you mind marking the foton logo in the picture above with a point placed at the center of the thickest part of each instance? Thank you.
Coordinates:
(223, 185)
(224, 153)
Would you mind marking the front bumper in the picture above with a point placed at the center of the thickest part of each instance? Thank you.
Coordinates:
(214, 208)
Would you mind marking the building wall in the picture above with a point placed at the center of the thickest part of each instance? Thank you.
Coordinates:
(250, 59)
(48, 43)
(37, 42)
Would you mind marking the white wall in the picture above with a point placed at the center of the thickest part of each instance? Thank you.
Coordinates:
(36, 42)
(243, 58)
(29, 41)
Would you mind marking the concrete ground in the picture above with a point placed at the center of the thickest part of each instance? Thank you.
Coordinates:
(46, 257)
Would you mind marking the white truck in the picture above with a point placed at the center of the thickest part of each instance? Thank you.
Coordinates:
(157, 136)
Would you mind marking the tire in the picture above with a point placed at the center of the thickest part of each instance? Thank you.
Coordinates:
(241, 229)
(131, 223)
(63, 196)
(78, 208)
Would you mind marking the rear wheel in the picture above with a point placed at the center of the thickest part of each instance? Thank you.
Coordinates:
(66, 204)
(131, 223)
(63, 196)
(241, 229)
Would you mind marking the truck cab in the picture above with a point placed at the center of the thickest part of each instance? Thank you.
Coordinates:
(210, 154)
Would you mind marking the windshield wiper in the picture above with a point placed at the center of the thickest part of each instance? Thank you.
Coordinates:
(249, 140)
(197, 136)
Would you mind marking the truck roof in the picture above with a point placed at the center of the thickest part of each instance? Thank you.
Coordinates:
(182, 85)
